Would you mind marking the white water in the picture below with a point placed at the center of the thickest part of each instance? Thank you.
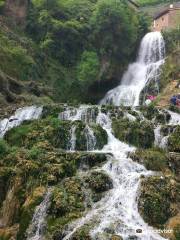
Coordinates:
(21, 114)
(161, 140)
(90, 138)
(139, 74)
(86, 114)
(73, 139)
(118, 210)
(38, 224)
(175, 118)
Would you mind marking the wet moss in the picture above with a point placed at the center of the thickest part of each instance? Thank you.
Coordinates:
(139, 134)
(99, 182)
(154, 159)
(101, 136)
(156, 198)
(52, 110)
(173, 141)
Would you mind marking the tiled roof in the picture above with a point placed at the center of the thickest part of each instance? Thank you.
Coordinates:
(166, 9)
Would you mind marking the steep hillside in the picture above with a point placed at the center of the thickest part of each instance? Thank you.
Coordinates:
(68, 46)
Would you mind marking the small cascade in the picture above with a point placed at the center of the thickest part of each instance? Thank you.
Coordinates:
(145, 70)
(21, 115)
(175, 118)
(84, 113)
(119, 208)
(72, 144)
(90, 138)
(38, 224)
(160, 140)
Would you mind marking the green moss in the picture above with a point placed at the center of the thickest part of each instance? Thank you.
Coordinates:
(154, 159)
(101, 136)
(149, 112)
(139, 134)
(173, 141)
(155, 200)
(82, 234)
(52, 110)
(16, 136)
(99, 182)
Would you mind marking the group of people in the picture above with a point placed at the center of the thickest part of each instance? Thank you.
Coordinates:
(175, 100)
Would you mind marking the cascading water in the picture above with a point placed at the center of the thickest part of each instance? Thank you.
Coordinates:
(118, 210)
(161, 140)
(139, 74)
(86, 114)
(36, 229)
(72, 144)
(21, 115)
(90, 138)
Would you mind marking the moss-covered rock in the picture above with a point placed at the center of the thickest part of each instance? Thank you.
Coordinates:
(174, 160)
(173, 141)
(52, 110)
(154, 159)
(158, 195)
(139, 134)
(99, 182)
(82, 234)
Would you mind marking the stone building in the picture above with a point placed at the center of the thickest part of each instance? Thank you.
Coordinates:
(167, 18)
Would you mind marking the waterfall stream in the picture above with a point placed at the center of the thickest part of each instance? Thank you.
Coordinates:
(36, 229)
(145, 70)
(119, 208)
(21, 115)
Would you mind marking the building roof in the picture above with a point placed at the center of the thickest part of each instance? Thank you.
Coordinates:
(133, 3)
(166, 10)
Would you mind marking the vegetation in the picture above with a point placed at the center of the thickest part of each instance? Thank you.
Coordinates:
(154, 159)
(69, 45)
(137, 133)
(156, 198)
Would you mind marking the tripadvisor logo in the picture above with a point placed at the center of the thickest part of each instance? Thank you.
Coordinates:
(159, 231)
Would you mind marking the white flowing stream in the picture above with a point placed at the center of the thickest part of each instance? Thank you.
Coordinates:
(139, 74)
(38, 225)
(21, 115)
(118, 210)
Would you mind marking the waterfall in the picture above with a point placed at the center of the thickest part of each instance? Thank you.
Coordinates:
(85, 114)
(90, 138)
(73, 139)
(37, 227)
(119, 208)
(146, 69)
(21, 115)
